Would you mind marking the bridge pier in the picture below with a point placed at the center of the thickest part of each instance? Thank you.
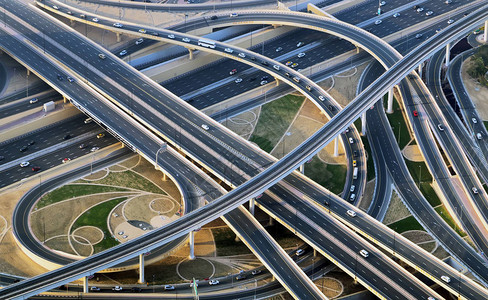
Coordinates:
(420, 69)
(389, 109)
(28, 72)
(363, 123)
(119, 37)
(141, 268)
(65, 100)
(357, 49)
(192, 245)
(485, 38)
(252, 204)
(448, 54)
(314, 252)
(72, 23)
(302, 168)
(190, 53)
(277, 81)
(336, 147)
(85, 285)
(271, 221)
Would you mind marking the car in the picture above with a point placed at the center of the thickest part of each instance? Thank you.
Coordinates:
(94, 149)
(351, 140)
(67, 137)
(253, 58)
(154, 33)
(168, 287)
(35, 169)
(276, 67)
(352, 197)
(265, 77)
(88, 120)
(238, 80)
(123, 52)
(301, 54)
(214, 18)
(142, 30)
(259, 196)
(438, 30)
(94, 289)
(136, 289)
(186, 40)
(288, 63)
(70, 79)
(83, 16)
(232, 15)
(382, 3)
(396, 15)
(101, 55)
(55, 7)
(95, 20)
(32, 101)
(431, 298)
(364, 253)
(418, 35)
(321, 98)
(448, 1)
(478, 136)
(213, 282)
(352, 213)
(24, 164)
(355, 153)
(378, 22)
(228, 50)
(296, 79)
(66, 160)
(299, 252)
(474, 120)
(171, 36)
(446, 278)
(263, 82)
(117, 288)
(264, 63)
(118, 25)
(347, 130)
(120, 233)
(279, 49)
(353, 187)
(440, 127)
(294, 65)
(205, 126)
(243, 55)
(233, 71)
(429, 13)
(60, 77)
(420, 9)
(139, 41)
(354, 163)
(191, 284)
(309, 88)
(287, 74)
(331, 107)
(475, 190)
(124, 236)
(100, 135)
(82, 146)
(300, 44)
(256, 272)
(23, 148)
(240, 277)
(415, 113)
(450, 21)
(252, 79)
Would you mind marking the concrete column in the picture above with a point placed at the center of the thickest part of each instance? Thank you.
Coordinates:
(420, 69)
(252, 203)
(314, 252)
(191, 53)
(485, 38)
(65, 100)
(302, 169)
(389, 109)
(164, 177)
(277, 81)
(72, 23)
(85, 285)
(448, 54)
(141, 268)
(357, 49)
(336, 147)
(28, 72)
(192, 245)
(271, 221)
(119, 37)
(363, 124)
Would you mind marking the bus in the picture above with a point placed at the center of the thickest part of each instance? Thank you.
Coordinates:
(355, 173)
(207, 44)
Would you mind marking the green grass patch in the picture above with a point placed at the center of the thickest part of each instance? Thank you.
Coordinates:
(332, 177)
(97, 217)
(442, 211)
(74, 190)
(409, 223)
(429, 194)
(274, 120)
(398, 125)
(131, 180)
(226, 243)
(369, 159)
(418, 169)
(486, 124)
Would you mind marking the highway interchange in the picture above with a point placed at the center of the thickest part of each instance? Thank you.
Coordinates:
(183, 138)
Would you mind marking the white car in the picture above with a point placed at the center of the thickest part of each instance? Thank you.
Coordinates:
(191, 284)
(95, 20)
(474, 120)
(94, 289)
(123, 52)
(475, 190)
(353, 187)
(299, 252)
(205, 126)
(142, 30)
(352, 213)
(242, 55)
(101, 55)
(351, 140)
(301, 54)
(186, 40)
(382, 3)
(171, 36)
(94, 149)
(139, 41)
(352, 197)
(429, 13)
(420, 9)
(321, 98)
(279, 49)
(276, 67)
(32, 101)
(238, 80)
(364, 253)
(228, 50)
(300, 44)
(378, 22)
(446, 278)
(120, 233)
(396, 15)
(263, 82)
(418, 35)
(450, 21)
(478, 136)
(169, 287)
(117, 288)
(55, 7)
(24, 164)
(118, 25)
(213, 282)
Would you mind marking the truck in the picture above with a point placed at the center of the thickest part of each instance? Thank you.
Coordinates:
(355, 173)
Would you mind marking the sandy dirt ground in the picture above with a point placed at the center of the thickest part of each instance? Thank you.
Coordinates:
(396, 211)
(477, 93)
(412, 153)
(243, 124)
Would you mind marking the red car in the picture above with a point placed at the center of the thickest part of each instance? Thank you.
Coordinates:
(233, 71)
(35, 169)
(415, 113)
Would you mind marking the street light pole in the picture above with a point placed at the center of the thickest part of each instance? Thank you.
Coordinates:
(399, 132)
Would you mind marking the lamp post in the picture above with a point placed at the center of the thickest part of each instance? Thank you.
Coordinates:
(420, 174)
(186, 16)
(255, 287)
(399, 132)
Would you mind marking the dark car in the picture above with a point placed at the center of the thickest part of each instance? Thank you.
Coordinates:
(82, 146)
(35, 169)
(252, 78)
(60, 77)
(331, 107)
(264, 63)
(31, 143)
(136, 289)
(24, 148)
(265, 77)
(214, 18)
(240, 277)
(67, 137)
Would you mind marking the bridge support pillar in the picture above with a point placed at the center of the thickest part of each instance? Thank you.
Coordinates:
(252, 204)
(28, 72)
(190, 53)
(448, 54)
(65, 100)
(277, 81)
(141, 268)
(119, 37)
(420, 69)
(164, 177)
(302, 168)
(363, 124)
(85, 285)
(314, 252)
(72, 23)
(336, 147)
(389, 109)
(192, 245)
(357, 49)
(485, 38)
(271, 221)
